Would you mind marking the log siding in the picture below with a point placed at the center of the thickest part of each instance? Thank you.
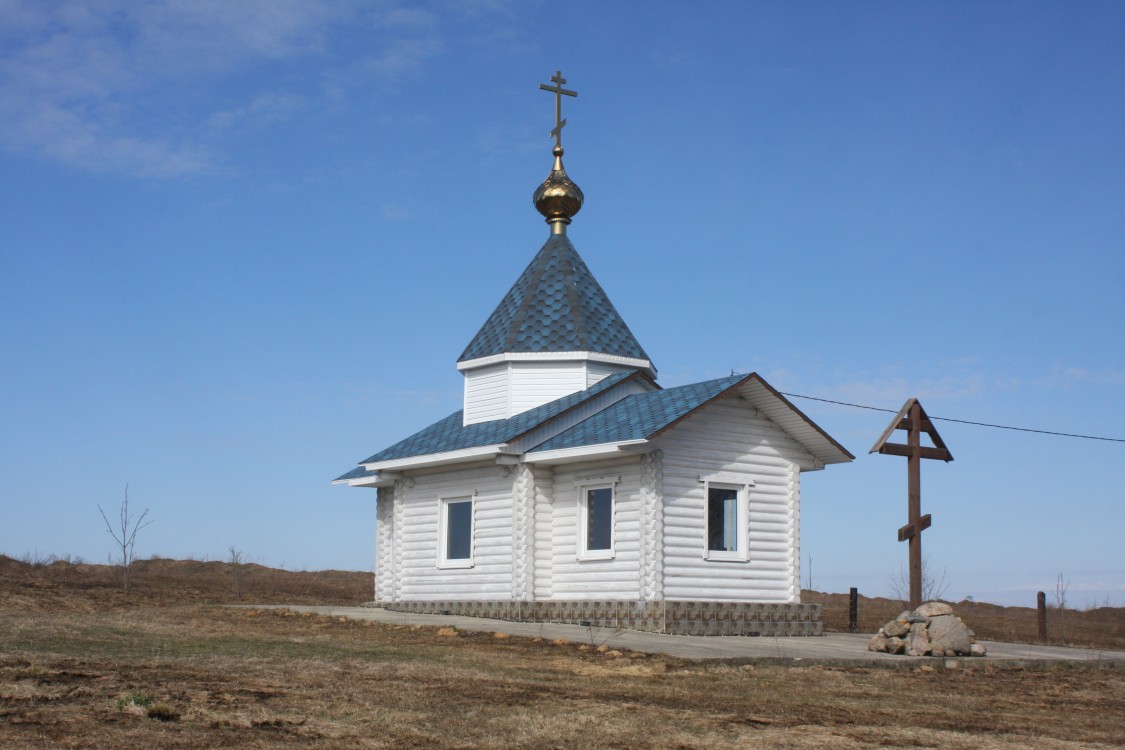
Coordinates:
(419, 576)
(615, 578)
(729, 440)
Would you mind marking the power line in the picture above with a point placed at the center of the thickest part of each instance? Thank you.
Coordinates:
(962, 421)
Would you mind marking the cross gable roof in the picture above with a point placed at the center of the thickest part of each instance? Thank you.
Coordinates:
(556, 305)
(643, 416)
(451, 434)
(639, 416)
(633, 418)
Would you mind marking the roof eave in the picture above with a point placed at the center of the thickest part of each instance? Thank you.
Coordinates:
(584, 452)
(822, 446)
(568, 356)
(426, 460)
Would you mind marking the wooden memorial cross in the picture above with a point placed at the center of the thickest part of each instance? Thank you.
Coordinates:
(912, 418)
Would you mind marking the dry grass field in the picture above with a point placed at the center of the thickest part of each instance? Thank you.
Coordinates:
(1103, 627)
(82, 665)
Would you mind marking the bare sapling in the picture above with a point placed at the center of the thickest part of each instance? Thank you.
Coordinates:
(236, 572)
(933, 586)
(125, 535)
(1062, 588)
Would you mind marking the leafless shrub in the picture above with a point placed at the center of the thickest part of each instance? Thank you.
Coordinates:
(127, 538)
(236, 572)
(1062, 586)
(933, 586)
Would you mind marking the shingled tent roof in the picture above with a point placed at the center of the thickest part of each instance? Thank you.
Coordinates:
(556, 305)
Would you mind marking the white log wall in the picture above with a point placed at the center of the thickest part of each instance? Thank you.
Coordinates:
(618, 578)
(526, 522)
(415, 532)
(384, 545)
(523, 534)
(731, 438)
(544, 523)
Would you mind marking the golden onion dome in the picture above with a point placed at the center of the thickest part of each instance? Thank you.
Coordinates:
(558, 198)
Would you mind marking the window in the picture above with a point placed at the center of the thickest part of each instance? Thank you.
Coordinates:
(727, 534)
(595, 523)
(456, 537)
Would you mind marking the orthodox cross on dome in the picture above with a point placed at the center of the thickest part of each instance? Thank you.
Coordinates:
(558, 90)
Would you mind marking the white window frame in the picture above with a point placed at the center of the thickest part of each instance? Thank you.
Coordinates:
(583, 520)
(741, 553)
(444, 562)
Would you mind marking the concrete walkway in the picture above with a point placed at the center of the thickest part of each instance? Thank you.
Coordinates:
(827, 648)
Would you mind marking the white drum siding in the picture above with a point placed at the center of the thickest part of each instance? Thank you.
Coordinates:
(596, 371)
(505, 389)
(537, 383)
(486, 393)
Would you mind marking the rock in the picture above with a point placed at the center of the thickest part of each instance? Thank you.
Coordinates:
(977, 649)
(919, 639)
(934, 609)
(930, 630)
(947, 632)
(895, 628)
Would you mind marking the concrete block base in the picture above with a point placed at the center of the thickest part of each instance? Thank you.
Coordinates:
(672, 617)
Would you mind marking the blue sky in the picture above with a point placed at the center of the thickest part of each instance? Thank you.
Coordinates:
(242, 245)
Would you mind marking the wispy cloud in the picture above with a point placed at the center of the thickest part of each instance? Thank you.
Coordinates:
(1067, 377)
(891, 392)
(108, 85)
(394, 212)
(264, 108)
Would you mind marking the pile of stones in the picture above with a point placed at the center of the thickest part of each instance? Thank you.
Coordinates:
(930, 630)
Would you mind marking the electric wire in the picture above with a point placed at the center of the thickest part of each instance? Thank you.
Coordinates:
(962, 421)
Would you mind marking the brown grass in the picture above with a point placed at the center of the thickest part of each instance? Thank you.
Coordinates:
(257, 679)
(1103, 627)
(61, 585)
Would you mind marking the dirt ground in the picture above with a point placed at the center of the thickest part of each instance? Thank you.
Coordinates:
(81, 667)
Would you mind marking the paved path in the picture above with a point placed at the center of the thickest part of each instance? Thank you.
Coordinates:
(830, 647)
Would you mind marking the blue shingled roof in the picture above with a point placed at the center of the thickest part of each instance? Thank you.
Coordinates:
(450, 434)
(641, 415)
(357, 473)
(556, 305)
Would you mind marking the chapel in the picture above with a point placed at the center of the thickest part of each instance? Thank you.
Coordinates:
(571, 487)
